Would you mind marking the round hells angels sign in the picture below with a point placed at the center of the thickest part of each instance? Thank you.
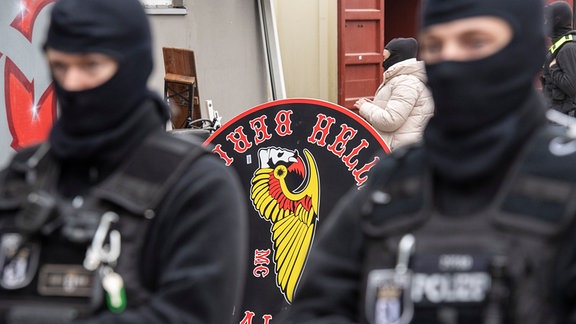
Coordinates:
(295, 158)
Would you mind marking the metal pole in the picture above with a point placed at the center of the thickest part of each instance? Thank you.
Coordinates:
(272, 49)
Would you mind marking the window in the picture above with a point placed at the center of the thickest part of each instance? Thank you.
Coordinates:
(164, 7)
(162, 3)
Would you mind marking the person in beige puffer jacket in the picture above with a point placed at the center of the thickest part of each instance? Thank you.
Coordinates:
(402, 104)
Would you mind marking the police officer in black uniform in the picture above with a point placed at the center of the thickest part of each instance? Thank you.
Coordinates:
(559, 69)
(476, 224)
(112, 219)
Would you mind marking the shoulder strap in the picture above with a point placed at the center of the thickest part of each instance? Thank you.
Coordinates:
(554, 48)
(395, 197)
(560, 42)
(150, 172)
(541, 199)
(21, 175)
(139, 185)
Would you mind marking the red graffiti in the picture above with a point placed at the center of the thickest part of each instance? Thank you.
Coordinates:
(29, 123)
(29, 10)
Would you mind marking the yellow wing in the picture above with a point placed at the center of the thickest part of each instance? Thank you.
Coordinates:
(293, 216)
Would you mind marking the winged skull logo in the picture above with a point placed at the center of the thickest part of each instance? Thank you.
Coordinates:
(286, 192)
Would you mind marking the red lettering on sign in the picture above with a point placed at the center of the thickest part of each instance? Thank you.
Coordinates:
(283, 122)
(240, 140)
(348, 158)
(261, 259)
(261, 129)
(267, 318)
(260, 271)
(218, 149)
(318, 136)
(339, 145)
(358, 173)
(320, 129)
(248, 316)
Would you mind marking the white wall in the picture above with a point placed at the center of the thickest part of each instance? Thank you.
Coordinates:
(226, 39)
(308, 43)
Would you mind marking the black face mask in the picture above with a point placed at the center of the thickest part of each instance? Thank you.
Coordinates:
(558, 19)
(101, 109)
(480, 105)
(387, 63)
(469, 96)
(94, 121)
(400, 49)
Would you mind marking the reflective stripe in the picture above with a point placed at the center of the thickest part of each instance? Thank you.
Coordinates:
(560, 42)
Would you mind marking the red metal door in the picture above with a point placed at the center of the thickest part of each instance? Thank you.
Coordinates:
(360, 45)
(364, 27)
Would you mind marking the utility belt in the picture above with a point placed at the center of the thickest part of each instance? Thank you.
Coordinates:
(493, 266)
(68, 259)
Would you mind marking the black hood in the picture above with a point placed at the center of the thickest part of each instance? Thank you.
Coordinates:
(481, 106)
(400, 49)
(92, 120)
(558, 19)
(113, 27)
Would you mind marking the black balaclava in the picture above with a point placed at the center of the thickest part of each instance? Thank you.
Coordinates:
(558, 19)
(485, 108)
(400, 49)
(97, 121)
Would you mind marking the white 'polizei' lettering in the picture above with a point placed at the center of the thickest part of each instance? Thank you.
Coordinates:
(461, 287)
(455, 262)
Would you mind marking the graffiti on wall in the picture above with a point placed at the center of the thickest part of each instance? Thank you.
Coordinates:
(30, 109)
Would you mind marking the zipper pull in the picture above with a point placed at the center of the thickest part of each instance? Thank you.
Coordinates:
(113, 284)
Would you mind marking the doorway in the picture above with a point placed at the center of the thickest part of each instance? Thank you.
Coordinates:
(364, 27)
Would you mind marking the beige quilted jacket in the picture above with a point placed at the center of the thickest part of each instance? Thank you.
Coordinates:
(402, 104)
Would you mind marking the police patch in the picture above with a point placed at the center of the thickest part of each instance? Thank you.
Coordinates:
(450, 278)
(388, 296)
(65, 280)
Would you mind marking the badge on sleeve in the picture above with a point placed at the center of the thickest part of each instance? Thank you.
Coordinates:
(388, 296)
(18, 261)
